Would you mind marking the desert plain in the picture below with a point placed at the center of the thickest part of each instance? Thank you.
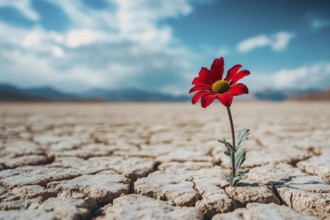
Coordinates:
(162, 161)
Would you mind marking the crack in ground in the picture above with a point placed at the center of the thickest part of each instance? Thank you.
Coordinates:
(291, 204)
(199, 195)
(312, 150)
(238, 204)
(293, 163)
(97, 212)
(275, 192)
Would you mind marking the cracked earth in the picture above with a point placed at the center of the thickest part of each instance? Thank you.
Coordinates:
(162, 161)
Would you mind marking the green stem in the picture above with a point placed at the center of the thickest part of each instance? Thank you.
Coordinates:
(233, 146)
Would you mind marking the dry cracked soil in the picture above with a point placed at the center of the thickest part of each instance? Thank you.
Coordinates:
(162, 161)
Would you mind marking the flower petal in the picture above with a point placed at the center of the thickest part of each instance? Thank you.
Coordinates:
(200, 87)
(238, 89)
(206, 76)
(199, 81)
(239, 76)
(199, 95)
(217, 68)
(226, 99)
(207, 100)
(232, 71)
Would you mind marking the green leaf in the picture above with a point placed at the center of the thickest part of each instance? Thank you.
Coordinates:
(239, 159)
(226, 143)
(236, 179)
(238, 163)
(228, 147)
(242, 136)
(232, 180)
(227, 151)
(243, 172)
(239, 154)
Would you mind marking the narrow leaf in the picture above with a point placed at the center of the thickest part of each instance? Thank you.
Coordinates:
(232, 180)
(226, 143)
(236, 179)
(242, 136)
(239, 154)
(240, 158)
(243, 172)
(227, 151)
(239, 162)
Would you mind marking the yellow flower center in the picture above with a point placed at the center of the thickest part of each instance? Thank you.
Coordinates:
(220, 86)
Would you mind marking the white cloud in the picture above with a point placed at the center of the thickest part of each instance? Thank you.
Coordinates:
(83, 37)
(281, 41)
(277, 42)
(132, 20)
(23, 6)
(252, 43)
(58, 52)
(31, 39)
(313, 76)
(316, 75)
(121, 48)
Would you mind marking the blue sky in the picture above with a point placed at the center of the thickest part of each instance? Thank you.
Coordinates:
(161, 45)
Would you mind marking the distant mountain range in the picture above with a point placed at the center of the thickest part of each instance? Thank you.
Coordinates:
(12, 93)
(315, 96)
(281, 95)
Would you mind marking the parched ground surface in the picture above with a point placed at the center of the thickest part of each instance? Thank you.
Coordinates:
(162, 161)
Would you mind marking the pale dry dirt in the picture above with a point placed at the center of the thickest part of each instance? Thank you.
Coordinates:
(162, 161)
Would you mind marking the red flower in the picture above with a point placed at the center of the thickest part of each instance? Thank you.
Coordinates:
(210, 84)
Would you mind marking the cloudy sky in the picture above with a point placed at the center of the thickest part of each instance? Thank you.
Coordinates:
(160, 45)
